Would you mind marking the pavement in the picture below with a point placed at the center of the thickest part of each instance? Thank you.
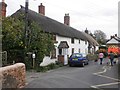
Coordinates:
(33, 75)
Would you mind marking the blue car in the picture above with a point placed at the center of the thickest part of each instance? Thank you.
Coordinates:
(78, 59)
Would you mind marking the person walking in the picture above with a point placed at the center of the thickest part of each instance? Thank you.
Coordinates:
(111, 55)
(101, 55)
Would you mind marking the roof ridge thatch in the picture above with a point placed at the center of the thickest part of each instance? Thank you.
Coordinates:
(52, 26)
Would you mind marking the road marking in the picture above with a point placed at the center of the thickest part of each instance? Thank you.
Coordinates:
(101, 72)
(96, 87)
(98, 74)
(107, 84)
(80, 68)
(108, 77)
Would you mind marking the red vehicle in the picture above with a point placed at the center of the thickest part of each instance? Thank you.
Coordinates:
(114, 49)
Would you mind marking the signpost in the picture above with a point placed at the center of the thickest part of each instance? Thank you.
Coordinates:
(33, 56)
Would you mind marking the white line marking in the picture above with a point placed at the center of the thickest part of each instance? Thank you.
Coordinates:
(96, 87)
(108, 77)
(80, 68)
(107, 84)
(102, 71)
(98, 74)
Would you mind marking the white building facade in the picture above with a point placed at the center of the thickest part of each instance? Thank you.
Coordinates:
(77, 46)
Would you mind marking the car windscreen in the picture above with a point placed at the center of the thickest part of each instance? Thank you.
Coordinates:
(76, 55)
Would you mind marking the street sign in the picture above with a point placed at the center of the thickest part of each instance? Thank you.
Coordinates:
(33, 55)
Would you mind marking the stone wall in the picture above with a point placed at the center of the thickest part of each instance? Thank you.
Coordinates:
(12, 76)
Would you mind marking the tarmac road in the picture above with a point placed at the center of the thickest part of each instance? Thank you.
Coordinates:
(91, 76)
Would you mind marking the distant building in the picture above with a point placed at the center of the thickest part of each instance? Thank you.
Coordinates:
(113, 44)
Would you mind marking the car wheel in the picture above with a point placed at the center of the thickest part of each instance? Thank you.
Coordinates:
(87, 63)
(83, 64)
(70, 65)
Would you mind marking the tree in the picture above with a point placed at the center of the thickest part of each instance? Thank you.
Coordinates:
(13, 37)
(100, 36)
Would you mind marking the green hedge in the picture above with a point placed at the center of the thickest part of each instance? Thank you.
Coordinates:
(48, 67)
(92, 57)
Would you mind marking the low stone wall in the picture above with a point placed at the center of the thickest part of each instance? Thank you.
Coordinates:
(12, 76)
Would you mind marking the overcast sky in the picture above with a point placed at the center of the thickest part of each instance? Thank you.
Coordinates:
(93, 14)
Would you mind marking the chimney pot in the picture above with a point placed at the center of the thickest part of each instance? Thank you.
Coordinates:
(115, 35)
(112, 37)
(86, 31)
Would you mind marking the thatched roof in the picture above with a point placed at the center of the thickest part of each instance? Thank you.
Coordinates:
(52, 26)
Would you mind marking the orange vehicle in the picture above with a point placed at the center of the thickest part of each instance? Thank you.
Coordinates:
(115, 49)
(113, 44)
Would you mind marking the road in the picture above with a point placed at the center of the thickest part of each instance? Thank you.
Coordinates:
(91, 76)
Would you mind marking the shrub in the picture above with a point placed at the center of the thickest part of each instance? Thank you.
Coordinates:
(92, 57)
(48, 67)
(42, 69)
(51, 66)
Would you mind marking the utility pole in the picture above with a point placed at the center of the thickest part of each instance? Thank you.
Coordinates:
(26, 30)
(26, 25)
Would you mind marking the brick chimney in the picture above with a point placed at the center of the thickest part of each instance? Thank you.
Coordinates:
(86, 31)
(3, 6)
(115, 35)
(111, 37)
(67, 19)
(41, 9)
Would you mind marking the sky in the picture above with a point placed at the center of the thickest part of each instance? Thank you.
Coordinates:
(91, 14)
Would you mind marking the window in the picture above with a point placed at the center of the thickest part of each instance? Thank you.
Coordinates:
(79, 41)
(72, 40)
(76, 55)
(72, 50)
(79, 50)
(54, 37)
(85, 42)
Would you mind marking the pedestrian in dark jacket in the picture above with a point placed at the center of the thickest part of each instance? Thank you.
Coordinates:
(111, 55)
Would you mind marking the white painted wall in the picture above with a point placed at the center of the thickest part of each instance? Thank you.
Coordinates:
(82, 46)
(92, 49)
